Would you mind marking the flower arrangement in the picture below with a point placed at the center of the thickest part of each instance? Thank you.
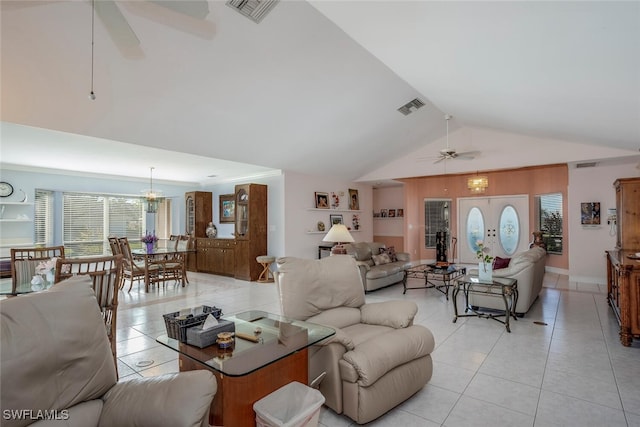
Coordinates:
(44, 274)
(483, 254)
(149, 237)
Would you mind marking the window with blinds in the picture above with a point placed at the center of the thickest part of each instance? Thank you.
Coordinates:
(89, 219)
(436, 218)
(43, 218)
(549, 221)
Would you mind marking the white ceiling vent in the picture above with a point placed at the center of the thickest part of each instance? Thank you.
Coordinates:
(253, 9)
(410, 106)
(586, 165)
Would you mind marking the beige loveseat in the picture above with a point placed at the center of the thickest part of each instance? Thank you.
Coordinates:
(377, 276)
(377, 358)
(57, 369)
(527, 268)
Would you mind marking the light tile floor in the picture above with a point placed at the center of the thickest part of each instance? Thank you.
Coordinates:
(573, 371)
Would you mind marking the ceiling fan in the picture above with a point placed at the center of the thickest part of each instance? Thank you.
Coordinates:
(116, 24)
(449, 153)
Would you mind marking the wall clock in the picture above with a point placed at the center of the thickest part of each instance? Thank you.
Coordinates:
(6, 189)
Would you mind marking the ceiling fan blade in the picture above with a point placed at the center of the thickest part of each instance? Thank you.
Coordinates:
(467, 155)
(439, 160)
(118, 28)
(195, 9)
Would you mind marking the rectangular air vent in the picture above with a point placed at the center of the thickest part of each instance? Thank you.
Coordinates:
(410, 106)
(586, 165)
(253, 9)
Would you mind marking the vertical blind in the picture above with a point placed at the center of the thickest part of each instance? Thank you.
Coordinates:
(43, 218)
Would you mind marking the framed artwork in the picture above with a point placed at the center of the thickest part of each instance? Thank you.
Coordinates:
(227, 208)
(383, 213)
(590, 213)
(354, 202)
(400, 213)
(322, 200)
(335, 219)
(392, 213)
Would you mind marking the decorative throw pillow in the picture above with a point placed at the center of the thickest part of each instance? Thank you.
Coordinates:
(381, 259)
(391, 251)
(499, 263)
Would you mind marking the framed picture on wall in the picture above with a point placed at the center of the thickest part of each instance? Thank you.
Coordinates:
(322, 200)
(335, 219)
(392, 213)
(354, 202)
(227, 208)
(590, 213)
(400, 213)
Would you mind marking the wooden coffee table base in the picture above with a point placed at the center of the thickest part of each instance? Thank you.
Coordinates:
(232, 405)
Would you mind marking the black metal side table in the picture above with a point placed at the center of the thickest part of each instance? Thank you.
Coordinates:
(504, 287)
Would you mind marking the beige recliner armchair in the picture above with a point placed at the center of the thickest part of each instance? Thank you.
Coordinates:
(377, 359)
(57, 369)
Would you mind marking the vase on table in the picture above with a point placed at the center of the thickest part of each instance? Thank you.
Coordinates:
(149, 247)
(485, 272)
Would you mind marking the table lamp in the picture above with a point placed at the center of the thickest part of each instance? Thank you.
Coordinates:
(338, 234)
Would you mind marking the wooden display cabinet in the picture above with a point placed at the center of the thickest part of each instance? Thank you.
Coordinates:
(623, 293)
(628, 213)
(250, 229)
(199, 212)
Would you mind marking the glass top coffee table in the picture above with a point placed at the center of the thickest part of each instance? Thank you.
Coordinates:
(248, 371)
(504, 287)
(431, 273)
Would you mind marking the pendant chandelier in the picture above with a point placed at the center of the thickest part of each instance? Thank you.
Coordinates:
(152, 198)
(478, 183)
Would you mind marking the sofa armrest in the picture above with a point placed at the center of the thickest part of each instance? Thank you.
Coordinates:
(171, 400)
(395, 314)
(340, 337)
(403, 256)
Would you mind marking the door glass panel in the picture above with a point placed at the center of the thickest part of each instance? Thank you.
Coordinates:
(509, 230)
(475, 228)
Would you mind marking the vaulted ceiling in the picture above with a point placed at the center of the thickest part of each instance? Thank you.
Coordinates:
(315, 86)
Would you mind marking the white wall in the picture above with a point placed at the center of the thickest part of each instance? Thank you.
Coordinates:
(301, 219)
(587, 244)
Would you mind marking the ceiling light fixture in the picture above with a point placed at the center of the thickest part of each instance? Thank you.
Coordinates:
(152, 198)
(92, 95)
(477, 184)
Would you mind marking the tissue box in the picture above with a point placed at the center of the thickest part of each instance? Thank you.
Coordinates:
(196, 336)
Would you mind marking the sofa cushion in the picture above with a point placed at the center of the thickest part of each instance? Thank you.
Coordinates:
(391, 251)
(68, 359)
(381, 259)
(499, 263)
(384, 270)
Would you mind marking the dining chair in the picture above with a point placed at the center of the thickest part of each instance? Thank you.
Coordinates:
(133, 269)
(114, 245)
(105, 273)
(25, 260)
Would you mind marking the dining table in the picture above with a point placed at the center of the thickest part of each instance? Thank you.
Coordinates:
(156, 257)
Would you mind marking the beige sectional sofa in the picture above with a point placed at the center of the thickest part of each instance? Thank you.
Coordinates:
(527, 268)
(377, 276)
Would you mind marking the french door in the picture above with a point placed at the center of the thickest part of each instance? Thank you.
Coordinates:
(501, 222)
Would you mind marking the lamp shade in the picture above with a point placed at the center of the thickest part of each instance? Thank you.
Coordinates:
(338, 234)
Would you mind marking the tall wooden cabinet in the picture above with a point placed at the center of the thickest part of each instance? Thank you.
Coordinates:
(250, 229)
(199, 212)
(623, 268)
(628, 212)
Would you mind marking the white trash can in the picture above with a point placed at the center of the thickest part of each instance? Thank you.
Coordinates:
(292, 405)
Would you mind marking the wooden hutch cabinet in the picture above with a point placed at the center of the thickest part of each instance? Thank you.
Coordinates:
(250, 229)
(199, 212)
(623, 267)
(216, 256)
